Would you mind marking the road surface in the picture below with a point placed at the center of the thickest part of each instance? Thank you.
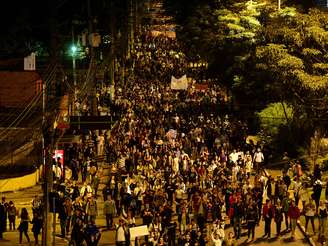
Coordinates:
(23, 199)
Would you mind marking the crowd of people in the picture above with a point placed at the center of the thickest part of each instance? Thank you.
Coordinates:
(178, 161)
(177, 153)
(76, 188)
(9, 213)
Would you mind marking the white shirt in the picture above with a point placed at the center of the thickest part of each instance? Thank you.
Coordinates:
(297, 186)
(233, 157)
(120, 234)
(218, 242)
(179, 193)
(258, 157)
(249, 166)
(235, 170)
(57, 170)
(175, 164)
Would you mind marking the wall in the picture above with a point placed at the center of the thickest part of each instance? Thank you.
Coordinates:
(18, 88)
(18, 183)
(322, 3)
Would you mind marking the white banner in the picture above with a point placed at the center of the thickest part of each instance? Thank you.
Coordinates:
(29, 62)
(138, 231)
(179, 84)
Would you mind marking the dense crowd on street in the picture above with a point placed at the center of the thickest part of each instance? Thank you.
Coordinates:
(177, 154)
(178, 161)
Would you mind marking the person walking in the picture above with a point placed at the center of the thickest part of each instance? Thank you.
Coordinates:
(2, 220)
(297, 187)
(23, 226)
(68, 207)
(6, 205)
(285, 208)
(95, 184)
(106, 192)
(62, 215)
(91, 234)
(317, 188)
(109, 212)
(251, 218)
(237, 217)
(171, 232)
(12, 215)
(121, 234)
(37, 226)
(77, 236)
(91, 209)
(258, 159)
(293, 214)
(268, 214)
(309, 215)
(278, 216)
(322, 218)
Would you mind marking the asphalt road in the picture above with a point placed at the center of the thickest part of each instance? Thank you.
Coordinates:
(23, 199)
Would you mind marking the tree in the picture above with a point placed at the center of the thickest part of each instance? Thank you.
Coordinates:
(265, 56)
(293, 61)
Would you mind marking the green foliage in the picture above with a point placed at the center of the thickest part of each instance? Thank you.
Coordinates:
(274, 116)
(320, 67)
(265, 56)
(293, 56)
(311, 52)
(311, 82)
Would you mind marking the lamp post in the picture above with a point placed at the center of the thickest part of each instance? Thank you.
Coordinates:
(74, 49)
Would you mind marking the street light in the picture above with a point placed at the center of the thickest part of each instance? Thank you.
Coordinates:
(74, 50)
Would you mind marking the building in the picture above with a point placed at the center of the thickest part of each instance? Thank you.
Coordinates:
(17, 88)
(322, 3)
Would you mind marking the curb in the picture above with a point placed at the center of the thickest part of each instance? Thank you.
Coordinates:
(302, 229)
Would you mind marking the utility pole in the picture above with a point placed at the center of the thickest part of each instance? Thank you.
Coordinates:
(113, 47)
(46, 170)
(92, 92)
(279, 5)
(131, 24)
(90, 28)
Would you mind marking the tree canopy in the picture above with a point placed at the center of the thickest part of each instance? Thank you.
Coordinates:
(264, 55)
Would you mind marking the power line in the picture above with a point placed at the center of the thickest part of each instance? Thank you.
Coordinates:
(28, 108)
(14, 112)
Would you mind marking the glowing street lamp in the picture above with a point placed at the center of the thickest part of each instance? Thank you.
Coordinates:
(74, 50)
